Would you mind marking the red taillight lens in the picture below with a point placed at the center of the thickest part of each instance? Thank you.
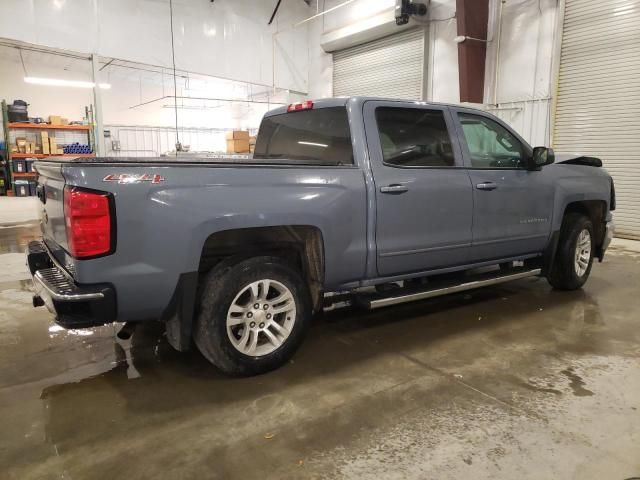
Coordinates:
(294, 107)
(88, 220)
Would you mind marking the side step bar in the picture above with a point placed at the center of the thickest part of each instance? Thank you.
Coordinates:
(484, 280)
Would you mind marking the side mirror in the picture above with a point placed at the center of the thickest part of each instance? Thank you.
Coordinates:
(541, 156)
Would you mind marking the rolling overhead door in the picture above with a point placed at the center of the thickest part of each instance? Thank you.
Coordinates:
(598, 103)
(389, 67)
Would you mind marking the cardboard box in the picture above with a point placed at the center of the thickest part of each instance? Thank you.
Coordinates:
(21, 143)
(238, 135)
(55, 120)
(60, 150)
(64, 121)
(238, 146)
(45, 142)
(53, 146)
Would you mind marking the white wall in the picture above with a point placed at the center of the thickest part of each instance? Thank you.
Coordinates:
(228, 39)
(442, 66)
(138, 108)
(45, 101)
(524, 36)
(231, 39)
(524, 45)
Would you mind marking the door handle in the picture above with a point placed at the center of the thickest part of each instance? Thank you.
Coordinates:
(395, 188)
(486, 186)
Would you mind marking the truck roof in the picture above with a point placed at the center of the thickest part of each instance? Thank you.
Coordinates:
(359, 100)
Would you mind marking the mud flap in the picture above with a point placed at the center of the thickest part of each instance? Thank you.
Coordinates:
(178, 316)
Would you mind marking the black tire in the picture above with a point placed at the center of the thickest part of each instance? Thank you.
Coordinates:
(563, 274)
(220, 288)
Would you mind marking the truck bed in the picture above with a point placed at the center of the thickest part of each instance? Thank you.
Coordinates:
(185, 159)
(181, 158)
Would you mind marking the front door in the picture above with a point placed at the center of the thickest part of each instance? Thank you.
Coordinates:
(512, 205)
(423, 193)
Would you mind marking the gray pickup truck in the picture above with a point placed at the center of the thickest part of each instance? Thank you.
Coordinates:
(349, 200)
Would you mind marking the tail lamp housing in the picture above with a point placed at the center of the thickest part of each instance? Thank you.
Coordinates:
(296, 107)
(89, 222)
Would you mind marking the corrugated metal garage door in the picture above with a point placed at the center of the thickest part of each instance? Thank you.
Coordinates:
(598, 109)
(388, 67)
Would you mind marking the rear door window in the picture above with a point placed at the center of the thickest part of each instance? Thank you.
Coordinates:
(317, 136)
(414, 137)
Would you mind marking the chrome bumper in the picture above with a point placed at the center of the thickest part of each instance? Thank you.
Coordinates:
(53, 282)
(75, 306)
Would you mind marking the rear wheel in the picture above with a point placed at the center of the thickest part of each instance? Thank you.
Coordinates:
(574, 255)
(253, 315)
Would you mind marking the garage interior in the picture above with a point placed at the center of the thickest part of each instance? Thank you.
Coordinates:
(516, 380)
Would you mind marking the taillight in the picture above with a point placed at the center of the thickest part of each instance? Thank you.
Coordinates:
(88, 220)
(294, 107)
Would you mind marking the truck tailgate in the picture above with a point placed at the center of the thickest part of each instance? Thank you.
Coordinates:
(50, 192)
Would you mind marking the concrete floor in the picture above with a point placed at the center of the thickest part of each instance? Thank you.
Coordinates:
(513, 381)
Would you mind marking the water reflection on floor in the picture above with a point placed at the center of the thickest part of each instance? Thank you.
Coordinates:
(512, 381)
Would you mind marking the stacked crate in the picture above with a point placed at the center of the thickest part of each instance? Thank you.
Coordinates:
(238, 141)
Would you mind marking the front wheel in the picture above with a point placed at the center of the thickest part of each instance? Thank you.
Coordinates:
(253, 315)
(574, 255)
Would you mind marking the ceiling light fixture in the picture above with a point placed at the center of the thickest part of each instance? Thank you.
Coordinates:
(58, 82)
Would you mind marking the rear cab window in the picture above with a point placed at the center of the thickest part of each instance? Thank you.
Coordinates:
(414, 137)
(317, 136)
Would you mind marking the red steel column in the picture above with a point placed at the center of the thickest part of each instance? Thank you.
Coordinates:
(473, 18)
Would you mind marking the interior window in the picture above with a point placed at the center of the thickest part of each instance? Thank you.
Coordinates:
(490, 144)
(414, 137)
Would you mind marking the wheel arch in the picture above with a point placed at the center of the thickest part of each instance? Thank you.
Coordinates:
(301, 245)
(595, 210)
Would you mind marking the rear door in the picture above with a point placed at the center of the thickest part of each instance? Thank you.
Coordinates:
(512, 205)
(423, 194)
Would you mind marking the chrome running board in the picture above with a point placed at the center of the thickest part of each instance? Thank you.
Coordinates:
(483, 280)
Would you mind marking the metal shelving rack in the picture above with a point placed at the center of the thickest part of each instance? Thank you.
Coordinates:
(5, 167)
(10, 175)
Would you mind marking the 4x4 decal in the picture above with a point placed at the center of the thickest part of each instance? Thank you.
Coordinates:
(133, 178)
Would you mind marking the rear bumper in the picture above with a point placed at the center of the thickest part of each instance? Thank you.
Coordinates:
(75, 306)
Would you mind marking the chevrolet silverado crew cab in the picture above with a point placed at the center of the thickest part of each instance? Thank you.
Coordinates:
(348, 200)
